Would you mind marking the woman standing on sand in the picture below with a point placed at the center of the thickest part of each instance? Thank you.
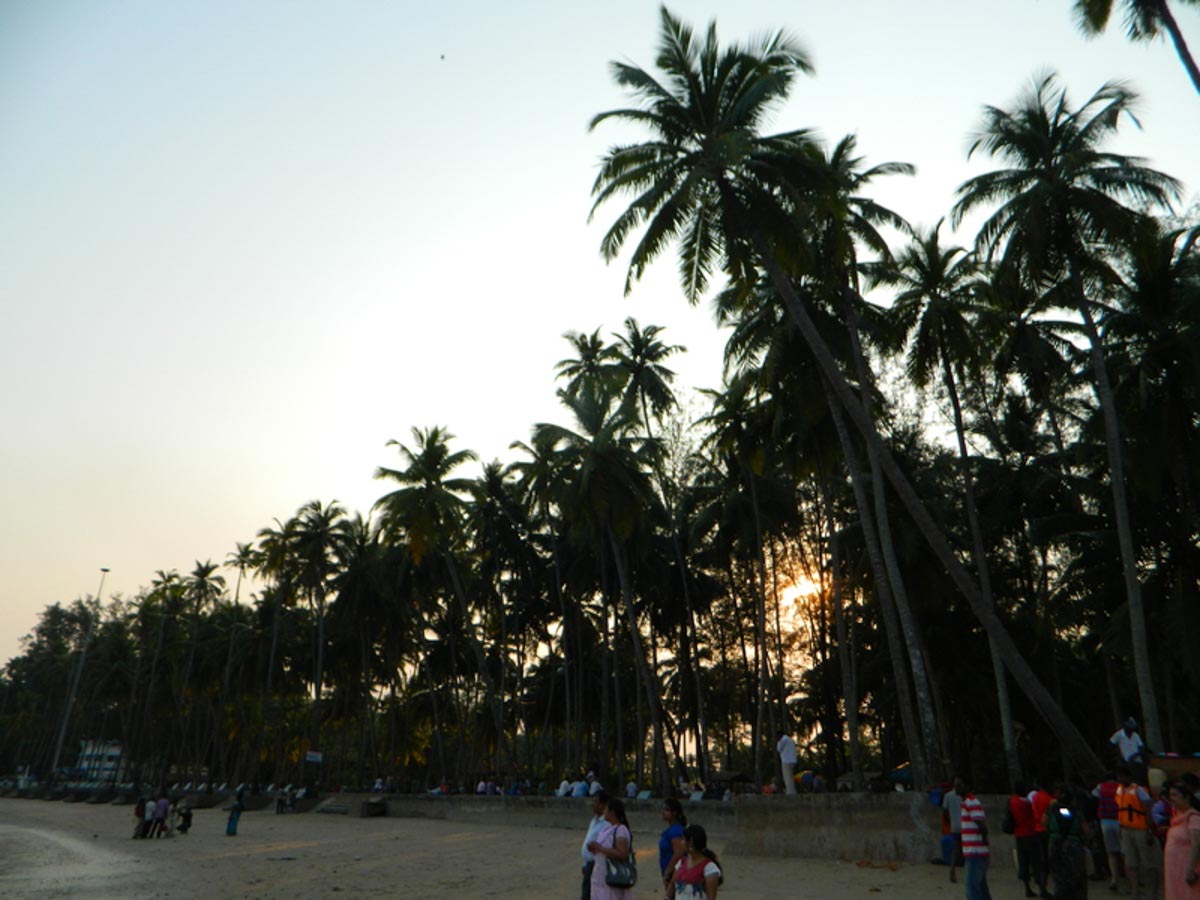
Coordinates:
(235, 813)
(614, 841)
(698, 874)
(671, 845)
(1181, 858)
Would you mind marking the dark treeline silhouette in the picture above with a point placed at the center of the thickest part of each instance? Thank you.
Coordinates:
(942, 509)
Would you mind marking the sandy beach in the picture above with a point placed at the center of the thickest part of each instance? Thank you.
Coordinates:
(55, 849)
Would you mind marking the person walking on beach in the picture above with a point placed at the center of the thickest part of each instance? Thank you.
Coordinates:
(159, 826)
(235, 813)
(1068, 851)
(599, 805)
(148, 817)
(1181, 861)
(786, 748)
(976, 852)
(1029, 849)
(952, 805)
(697, 876)
(615, 842)
(1110, 828)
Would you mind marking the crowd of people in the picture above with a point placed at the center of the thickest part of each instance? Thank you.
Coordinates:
(158, 816)
(688, 868)
(1140, 839)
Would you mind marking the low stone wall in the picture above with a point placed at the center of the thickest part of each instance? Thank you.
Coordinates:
(876, 827)
(645, 816)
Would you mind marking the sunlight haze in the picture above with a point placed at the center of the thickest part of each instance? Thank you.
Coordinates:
(243, 245)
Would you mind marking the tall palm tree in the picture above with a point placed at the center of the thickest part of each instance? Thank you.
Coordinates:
(428, 511)
(638, 358)
(1143, 21)
(321, 535)
(1062, 197)
(591, 367)
(730, 197)
(607, 493)
(936, 291)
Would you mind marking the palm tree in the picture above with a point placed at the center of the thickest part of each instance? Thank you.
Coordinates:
(638, 358)
(607, 494)
(318, 539)
(937, 288)
(243, 558)
(1143, 20)
(429, 511)
(593, 363)
(1061, 198)
(708, 179)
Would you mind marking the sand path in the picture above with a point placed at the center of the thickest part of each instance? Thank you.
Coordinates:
(80, 850)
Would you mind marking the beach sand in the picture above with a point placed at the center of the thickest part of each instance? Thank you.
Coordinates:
(55, 849)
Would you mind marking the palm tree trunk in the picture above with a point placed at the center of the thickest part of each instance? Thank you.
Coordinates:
(485, 675)
(1139, 638)
(845, 657)
(760, 625)
(1011, 758)
(639, 657)
(1181, 48)
(923, 693)
(1021, 671)
(883, 594)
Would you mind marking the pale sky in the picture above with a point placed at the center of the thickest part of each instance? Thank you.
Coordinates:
(243, 244)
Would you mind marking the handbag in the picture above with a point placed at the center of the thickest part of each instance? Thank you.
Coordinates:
(620, 873)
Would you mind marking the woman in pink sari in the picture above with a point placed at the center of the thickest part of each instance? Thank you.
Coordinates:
(613, 842)
(1181, 860)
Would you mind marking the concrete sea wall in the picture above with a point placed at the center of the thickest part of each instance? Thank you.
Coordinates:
(875, 827)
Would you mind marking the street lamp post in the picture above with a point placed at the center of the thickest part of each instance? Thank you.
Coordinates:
(75, 678)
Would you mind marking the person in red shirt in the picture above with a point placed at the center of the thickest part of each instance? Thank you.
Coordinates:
(1030, 861)
(1040, 800)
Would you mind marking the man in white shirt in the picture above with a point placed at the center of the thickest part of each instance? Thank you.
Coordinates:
(1133, 752)
(594, 785)
(786, 748)
(599, 805)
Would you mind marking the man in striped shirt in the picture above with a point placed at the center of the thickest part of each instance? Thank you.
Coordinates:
(976, 853)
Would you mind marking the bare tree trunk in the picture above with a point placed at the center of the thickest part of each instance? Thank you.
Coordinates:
(1012, 760)
(1022, 673)
(883, 594)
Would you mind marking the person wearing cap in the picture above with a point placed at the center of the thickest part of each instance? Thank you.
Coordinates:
(1131, 748)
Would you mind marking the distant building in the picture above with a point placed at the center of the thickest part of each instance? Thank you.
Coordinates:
(100, 761)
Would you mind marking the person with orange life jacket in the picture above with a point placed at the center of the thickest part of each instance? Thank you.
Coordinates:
(1143, 856)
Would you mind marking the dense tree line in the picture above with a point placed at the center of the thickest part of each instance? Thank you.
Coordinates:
(942, 509)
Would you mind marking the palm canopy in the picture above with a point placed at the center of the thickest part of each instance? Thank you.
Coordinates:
(603, 466)
(1144, 21)
(429, 505)
(706, 162)
(1060, 192)
(639, 357)
(936, 290)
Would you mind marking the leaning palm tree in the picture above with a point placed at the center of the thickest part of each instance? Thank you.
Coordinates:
(1144, 20)
(1063, 204)
(733, 198)
(937, 289)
